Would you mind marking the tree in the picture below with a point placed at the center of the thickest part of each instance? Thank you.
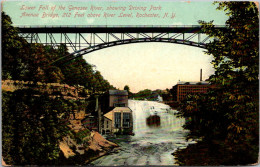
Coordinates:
(143, 94)
(11, 44)
(39, 63)
(33, 126)
(24, 61)
(127, 88)
(227, 116)
(34, 123)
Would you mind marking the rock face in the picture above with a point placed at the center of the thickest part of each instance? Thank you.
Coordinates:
(96, 146)
(90, 146)
(67, 151)
(99, 143)
(153, 121)
(3, 163)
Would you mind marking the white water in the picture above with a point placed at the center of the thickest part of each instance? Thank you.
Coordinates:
(143, 109)
(149, 146)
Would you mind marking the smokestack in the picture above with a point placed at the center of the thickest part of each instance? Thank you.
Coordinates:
(200, 74)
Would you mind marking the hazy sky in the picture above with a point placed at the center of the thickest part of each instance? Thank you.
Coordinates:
(152, 65)
(143, 65)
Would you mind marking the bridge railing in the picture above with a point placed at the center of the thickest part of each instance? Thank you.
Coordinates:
(111, 26)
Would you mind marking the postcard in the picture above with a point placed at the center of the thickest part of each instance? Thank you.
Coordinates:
(111, 83)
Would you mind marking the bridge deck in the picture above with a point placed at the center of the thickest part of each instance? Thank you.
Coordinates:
(113, 29)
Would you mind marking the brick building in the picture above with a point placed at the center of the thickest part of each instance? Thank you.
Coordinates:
(181, 89)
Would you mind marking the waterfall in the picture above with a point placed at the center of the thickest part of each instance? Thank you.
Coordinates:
(151, 145)
(143, 109)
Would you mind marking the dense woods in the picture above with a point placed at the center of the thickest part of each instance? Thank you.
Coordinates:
(34, 62)
(31, 132)
(33, 123)
(226, 119)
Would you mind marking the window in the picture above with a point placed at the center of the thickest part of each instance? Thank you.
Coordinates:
(126, 120)
(107, 124)
(119, 104)
(117, 120)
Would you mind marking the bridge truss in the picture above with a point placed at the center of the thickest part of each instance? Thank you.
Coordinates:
(86, 39)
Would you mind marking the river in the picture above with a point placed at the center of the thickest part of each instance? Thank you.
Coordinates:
(150, 145)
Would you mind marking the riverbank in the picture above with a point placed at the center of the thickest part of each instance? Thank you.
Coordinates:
(108, 152)
(197, 154)
(206, 154)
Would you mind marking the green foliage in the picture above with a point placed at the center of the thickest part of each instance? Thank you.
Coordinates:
(228, 114)
(146, 95)
(126, 87)
(33, 123)
(34, 62)
(32, 127)
(11, 45)
(143, 94)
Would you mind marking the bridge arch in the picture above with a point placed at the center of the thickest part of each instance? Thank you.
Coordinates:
(103, 37)
(90, 49)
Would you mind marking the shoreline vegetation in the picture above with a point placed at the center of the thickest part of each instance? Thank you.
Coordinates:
(226, 118)
(74, 143)
(209, 154)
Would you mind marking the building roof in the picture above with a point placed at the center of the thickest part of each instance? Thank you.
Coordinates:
(109, 115)
(124, 109)
(192, 83)
(118, 92)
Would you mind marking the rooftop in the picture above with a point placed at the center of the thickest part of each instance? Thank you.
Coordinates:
(118, 92)
(192, 83)
(122, 109)
(109, 115)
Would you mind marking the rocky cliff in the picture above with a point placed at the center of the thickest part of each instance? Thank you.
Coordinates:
(83, 146)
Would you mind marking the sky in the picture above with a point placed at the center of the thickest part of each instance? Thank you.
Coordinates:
(143, 65)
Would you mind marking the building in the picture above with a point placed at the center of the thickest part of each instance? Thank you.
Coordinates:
(181, 89)
(107, 125)
(112, 99)
(118, 98)
(118, 120)
(116, 115)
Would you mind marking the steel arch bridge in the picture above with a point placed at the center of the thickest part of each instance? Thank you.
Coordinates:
(86, 39)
